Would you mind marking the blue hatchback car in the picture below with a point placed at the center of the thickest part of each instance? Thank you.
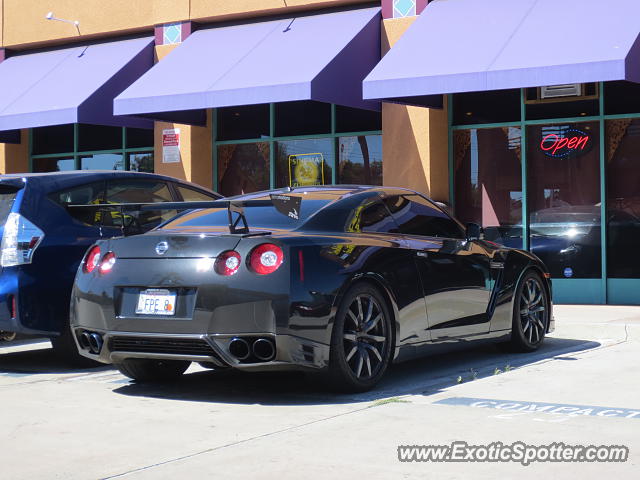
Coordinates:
(45, 234)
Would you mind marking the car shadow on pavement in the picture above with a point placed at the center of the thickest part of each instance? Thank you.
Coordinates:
(26, 359)
(424, 376)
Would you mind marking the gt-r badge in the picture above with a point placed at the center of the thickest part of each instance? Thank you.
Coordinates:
(162, 248)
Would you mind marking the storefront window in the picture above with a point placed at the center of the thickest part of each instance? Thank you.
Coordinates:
(360, 160)
(304, 162)
(488, 186)
(357, 120)
(318, 155)
(141, 162)
(102, 161)
(243, 122)
(41, 165)
(302, 118)
(91, 147)
(564, 198)
(243, 168)
(486, 107)
(621, 97)
(623, 197)
(539, 108)
(97, 137)
(51, 140)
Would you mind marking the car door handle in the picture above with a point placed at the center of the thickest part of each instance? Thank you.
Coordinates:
(422, 254)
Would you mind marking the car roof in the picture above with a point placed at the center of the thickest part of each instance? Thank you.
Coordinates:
(330, 192)
(53, 181)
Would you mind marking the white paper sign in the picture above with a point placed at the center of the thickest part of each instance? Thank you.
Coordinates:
(171, 145)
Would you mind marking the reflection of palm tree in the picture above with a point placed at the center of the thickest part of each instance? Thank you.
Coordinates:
(362, 140)
(243, 171)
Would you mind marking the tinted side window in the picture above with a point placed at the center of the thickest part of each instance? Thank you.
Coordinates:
(417, 216)
(373, 217)
(89, 194)
(138, 191)
(191, 195)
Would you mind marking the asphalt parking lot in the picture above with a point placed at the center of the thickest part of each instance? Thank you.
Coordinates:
(581, 388)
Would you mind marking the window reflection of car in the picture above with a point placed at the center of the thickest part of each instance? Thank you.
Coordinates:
(568, 238)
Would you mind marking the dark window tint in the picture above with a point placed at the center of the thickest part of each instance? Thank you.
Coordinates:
(243, 122)
(89, 194)
(417, 216)
(580, 108)
(623, 197)
(98, 137)
(257, 217)
(302, 118)
(374, 217)
(43, 165)
(357, 120)
(621, 97)
(191, 195)
(486, 107)
(488, 181)
(138, 191)
(56, 139)
(7, 197)
(139, 138)
(243, 168)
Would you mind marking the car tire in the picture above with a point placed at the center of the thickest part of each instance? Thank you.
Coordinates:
(151, 370)
(362, 340)
(530, 314)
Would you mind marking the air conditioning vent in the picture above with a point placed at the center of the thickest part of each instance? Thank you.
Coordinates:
(557, 91)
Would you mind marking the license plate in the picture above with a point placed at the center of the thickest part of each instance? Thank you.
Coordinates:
(156, 302)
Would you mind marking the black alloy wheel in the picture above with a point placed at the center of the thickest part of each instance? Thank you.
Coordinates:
(531, 313)
(362, 340)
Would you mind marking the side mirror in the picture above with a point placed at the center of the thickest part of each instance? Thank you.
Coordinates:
(473, 231)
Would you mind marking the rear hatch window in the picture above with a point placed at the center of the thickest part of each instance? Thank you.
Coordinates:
(7, 197)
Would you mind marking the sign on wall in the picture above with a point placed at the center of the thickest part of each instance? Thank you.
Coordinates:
(306, 169)
(171, 145)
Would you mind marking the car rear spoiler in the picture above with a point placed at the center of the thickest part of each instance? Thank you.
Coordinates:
(285, 204)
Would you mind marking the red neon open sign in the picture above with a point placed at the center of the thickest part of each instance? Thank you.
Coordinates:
(569, 142)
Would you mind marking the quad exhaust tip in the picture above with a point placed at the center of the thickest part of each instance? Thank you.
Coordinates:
(262, 349)
(239, 348)
(91, 341)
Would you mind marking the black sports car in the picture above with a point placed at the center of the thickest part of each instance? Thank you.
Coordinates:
(340, 280)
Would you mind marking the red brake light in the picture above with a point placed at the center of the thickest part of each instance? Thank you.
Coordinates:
(227, 263)
(266, 258)
(107, 262)
(91, 260)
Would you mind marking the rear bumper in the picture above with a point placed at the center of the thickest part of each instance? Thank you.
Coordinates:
(292, 353)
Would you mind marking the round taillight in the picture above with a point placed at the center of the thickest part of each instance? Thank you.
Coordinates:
(228, 263)
(107, 263)
(266, 258)
(91, 260)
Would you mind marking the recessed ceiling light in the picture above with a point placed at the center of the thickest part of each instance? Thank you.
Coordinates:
(468, 114)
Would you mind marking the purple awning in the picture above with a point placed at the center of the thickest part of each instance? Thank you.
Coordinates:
(71, 85)
(321, 57)
(479, 45)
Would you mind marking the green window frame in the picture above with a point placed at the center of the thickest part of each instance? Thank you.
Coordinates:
(77, 154)
(272, 140)
(601, 118)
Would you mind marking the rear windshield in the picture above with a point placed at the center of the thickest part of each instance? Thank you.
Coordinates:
(257, 217)
(7, 197)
